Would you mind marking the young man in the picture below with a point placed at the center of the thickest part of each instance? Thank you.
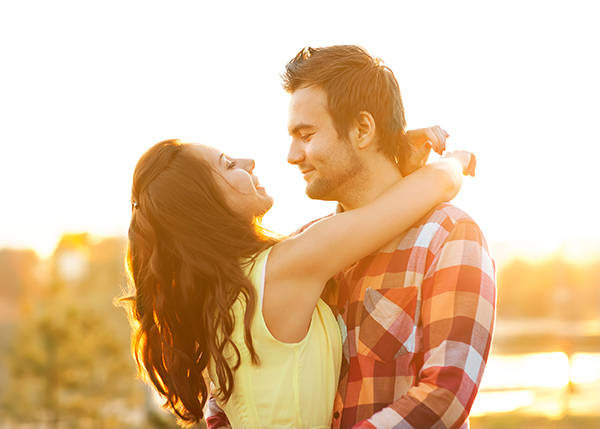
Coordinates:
(416, 317)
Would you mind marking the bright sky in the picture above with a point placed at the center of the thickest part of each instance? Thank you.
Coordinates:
(87, 86)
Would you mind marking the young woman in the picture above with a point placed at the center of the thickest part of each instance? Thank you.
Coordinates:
(215, 294)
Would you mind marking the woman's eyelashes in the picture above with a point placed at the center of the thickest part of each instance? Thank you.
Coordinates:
(230, 164)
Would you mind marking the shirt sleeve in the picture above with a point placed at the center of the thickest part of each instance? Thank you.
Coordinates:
(457, 319)
(215, 417)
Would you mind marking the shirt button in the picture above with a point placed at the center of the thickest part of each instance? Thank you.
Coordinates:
(336, 415)
(342, 310)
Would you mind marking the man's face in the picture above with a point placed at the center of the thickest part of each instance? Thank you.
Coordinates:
(327, 162)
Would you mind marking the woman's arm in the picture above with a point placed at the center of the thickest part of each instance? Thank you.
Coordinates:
(299, 267)
(332, 244)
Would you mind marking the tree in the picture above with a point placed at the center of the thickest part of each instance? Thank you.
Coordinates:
(69, 364)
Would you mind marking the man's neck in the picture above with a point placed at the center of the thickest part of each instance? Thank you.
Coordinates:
(377, 179)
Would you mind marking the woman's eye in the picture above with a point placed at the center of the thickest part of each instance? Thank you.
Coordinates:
(232, 164)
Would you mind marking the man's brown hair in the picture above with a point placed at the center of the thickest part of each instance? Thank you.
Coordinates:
(354, 81)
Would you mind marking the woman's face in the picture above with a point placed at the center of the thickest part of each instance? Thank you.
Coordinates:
(235, 178)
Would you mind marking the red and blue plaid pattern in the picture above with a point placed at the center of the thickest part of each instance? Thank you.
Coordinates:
(419, 323)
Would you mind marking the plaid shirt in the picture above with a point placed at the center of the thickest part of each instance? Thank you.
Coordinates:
(417, 325)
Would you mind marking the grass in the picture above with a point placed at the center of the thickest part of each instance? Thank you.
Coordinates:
(519, 421)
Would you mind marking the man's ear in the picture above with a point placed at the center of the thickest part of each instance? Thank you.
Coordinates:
(364, 129)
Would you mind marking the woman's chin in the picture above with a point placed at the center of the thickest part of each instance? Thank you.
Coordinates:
(268, 205)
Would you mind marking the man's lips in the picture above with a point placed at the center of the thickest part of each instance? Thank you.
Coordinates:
(306, 172)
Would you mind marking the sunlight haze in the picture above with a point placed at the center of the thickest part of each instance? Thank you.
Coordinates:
(87, 87)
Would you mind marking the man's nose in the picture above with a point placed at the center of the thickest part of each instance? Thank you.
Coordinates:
(295, 154)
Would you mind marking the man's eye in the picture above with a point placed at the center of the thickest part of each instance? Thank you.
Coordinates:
(305, 137)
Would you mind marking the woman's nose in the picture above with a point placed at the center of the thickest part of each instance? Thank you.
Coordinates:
(248, 165)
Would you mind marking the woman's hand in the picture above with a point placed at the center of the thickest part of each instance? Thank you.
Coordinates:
(465, 159)
(420, 142)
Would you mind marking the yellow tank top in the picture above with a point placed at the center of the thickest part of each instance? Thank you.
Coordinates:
(294, 385)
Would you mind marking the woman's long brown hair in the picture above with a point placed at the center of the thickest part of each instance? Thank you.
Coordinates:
(183, 266)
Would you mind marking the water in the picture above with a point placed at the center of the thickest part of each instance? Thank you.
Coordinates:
(546, 384)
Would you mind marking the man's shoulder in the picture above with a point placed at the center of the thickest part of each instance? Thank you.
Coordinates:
(445, 214)
(305, 227)
(437, 225)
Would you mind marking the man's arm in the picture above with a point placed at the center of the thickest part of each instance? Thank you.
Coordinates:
(458, 312)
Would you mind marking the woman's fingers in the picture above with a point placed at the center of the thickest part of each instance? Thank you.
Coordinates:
(438, 138)
(470, 170)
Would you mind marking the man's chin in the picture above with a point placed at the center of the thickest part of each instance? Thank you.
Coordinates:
(316, 192)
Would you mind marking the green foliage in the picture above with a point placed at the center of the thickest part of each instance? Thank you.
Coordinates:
(69, 362)
(554, 288)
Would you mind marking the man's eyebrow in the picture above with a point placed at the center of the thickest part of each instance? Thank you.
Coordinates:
(301, 127)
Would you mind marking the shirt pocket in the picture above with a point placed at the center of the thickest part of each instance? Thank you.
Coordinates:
(387, 328)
